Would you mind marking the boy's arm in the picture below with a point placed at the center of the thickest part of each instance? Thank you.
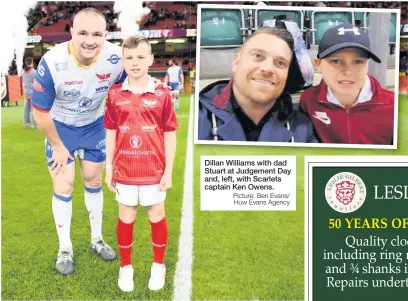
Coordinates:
(170, 125)
(109, 122)
(169, 151)
(110, 146)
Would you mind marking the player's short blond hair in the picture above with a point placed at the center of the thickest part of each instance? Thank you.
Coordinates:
(89, 10)
(92, 11)
(133, 42)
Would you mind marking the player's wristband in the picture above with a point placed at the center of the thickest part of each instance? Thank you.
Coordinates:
(108, 166)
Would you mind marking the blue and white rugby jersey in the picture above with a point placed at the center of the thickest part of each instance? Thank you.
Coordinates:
(173, 73)
(75, 94)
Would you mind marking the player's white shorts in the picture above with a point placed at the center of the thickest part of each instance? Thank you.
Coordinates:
(147, 195)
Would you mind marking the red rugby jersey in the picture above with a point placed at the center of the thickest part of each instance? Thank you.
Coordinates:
(140, 122)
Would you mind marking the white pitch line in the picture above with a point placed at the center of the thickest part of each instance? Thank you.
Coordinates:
(182, 277)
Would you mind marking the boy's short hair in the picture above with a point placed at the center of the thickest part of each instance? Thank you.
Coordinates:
(28, 61)
(133, 42)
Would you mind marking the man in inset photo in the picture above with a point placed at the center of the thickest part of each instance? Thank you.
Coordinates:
(254, 105)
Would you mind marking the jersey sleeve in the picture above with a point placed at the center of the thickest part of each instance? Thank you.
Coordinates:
(109, 121)
(43, 88)
(169, 117)
(122, 77)
(180, 71)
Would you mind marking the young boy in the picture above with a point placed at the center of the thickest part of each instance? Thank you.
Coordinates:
(349, 105)
(140, 149)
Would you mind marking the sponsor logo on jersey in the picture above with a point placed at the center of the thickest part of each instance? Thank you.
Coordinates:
(81, 111)
(85, 102)
(122, 102)
(61, 66)
(41, 70)
(124, 128)
(37, 86)
(101, 89)
(71, 94)
(148, 128)
(103, 77)
(74, 82)
(149, 103)
(136, 152)
(135, 141)
(114, 59)
(159, 92)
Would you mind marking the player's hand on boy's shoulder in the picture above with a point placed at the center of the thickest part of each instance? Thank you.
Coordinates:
(165, 182)
(108, 180)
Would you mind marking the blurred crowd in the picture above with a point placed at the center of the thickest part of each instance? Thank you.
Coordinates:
(49, 13)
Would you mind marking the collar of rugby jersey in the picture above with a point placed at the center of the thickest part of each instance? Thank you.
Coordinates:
(151, 87)
(72, 53)
(366, 94)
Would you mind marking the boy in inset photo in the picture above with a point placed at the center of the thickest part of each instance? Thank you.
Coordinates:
(140, 147)
(349, 105)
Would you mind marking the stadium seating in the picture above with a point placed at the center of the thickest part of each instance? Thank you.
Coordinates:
(52, 29)
(321, 21)
(264, 15)
(221, 27)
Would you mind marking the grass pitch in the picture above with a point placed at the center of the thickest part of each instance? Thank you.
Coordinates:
(236, 255)
(29, 237)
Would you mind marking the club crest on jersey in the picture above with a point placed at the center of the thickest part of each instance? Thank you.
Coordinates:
(149, 103)
(37, 86)
(135, 141)
(85, 102)
(113, 59)
(103, 77)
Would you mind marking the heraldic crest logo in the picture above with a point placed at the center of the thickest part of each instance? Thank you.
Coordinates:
(345, 192)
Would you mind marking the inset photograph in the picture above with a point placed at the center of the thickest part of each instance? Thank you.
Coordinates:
(309, 76)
